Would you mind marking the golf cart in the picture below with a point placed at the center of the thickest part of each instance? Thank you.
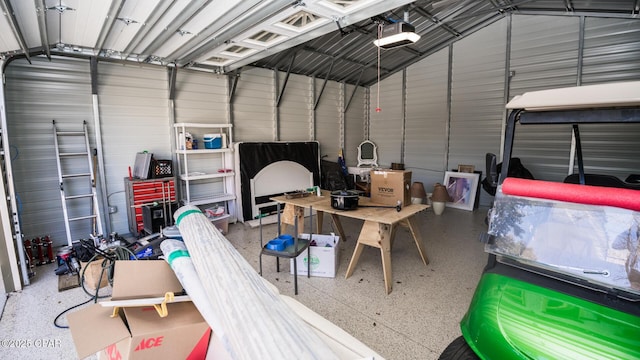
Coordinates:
(563, 273)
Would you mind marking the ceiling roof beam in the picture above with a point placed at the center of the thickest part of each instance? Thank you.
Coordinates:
(286, 78)
(355, 88)
(5, 5)
(433, 50)
(156, 14)
(235, 24)
(42, 26)
(282, 56)
(494, 3)
(187, 14)
(411, 50)
(114, 10)
(173, 76)
(324, 84)
(319, 52)
(343, 51)
(234, 85)
(205, 35)
(436, 21)
(568, 5)
(614, 15)
(363, 14)
(509, 7)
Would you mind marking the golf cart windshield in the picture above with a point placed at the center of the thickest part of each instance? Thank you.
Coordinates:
(592, 244)
(575, 231)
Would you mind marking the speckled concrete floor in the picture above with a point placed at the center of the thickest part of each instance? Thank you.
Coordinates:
(417, 320)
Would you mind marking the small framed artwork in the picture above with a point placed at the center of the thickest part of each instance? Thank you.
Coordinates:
(462, 188)
(466, 168)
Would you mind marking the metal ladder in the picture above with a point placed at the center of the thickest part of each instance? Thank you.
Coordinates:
(76, 176)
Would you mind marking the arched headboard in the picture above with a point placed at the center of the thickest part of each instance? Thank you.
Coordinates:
(277, 178)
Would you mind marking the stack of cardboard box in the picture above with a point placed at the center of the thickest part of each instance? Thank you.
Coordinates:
(139, 332)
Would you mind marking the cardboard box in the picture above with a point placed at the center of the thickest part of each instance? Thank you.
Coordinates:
(92, 273)
(139, 332)
(390, 186)
(324, 256)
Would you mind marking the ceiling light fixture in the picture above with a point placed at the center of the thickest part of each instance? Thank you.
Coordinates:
(398, 34)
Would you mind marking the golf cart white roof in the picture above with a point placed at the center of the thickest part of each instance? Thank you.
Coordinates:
(579, 97)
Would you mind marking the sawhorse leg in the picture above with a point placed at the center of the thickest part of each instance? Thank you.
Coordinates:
(377, 235)
(289, 215)
(417, 237)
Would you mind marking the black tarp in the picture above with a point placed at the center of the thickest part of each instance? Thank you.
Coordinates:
(254, 156)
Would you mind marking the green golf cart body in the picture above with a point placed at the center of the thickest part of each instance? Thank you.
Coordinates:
(563, 273)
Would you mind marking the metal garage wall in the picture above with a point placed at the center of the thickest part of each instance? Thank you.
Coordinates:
(386, 126)
(201, 98)
(544, 54)
(296, 108)
(254, 106)
(354, 123)
(611, 53)
(134, 114)
(328, 119)
(611, 50)
(477, 97)
(36, 94)
(427, 118)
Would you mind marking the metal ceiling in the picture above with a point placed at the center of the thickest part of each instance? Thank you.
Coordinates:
(330, 39)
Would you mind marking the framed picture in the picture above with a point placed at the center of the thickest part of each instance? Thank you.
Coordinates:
(466, 168)
(462, 188)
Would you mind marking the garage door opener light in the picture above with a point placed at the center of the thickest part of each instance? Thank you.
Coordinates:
(397, 35)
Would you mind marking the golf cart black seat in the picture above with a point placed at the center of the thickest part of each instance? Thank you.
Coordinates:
(601, 180)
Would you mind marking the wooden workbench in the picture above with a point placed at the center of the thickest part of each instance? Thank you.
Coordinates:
(378, 229)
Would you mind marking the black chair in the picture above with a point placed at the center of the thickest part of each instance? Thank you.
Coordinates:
(291, 251)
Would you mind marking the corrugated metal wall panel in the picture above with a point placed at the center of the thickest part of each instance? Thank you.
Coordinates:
(328, 114)
(135, 98)
(544, 54)
(254, 106)
(611, 53)
(477, 97)
(427, 116)
(354, 123)
(201, 97)
(36, 94)
(610, 150)
(385, 127)
(611, 50)
(130, 97)
(296, 108)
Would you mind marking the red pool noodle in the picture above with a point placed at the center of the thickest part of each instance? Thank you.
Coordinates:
(581, 194)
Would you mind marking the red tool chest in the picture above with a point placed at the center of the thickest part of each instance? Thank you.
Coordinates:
(146, 192)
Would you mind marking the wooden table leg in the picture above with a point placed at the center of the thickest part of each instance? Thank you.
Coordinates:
(417, 237)
(336, 221)
(354, 259)
(289, 215)
(385, 233)
(319, 221)
(379, 236)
